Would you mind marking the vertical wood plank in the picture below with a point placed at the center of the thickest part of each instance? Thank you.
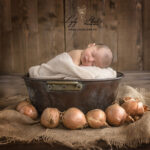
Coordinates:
(51, 28)
(0, 34)
(18, 36)
(25, 34)
(5, 36)
(139, 41)
(30, 31)
(129, 35)
(146, 34)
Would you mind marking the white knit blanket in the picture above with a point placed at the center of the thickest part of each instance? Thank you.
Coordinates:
(62, 67)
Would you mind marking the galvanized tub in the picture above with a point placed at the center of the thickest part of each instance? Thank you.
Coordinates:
(63, 94)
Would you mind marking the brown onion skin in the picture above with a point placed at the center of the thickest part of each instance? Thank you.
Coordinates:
(50, 117)
(96, 118)
(133, 108)
(115, 115)
(29, 110)
(73, 118)
(21, 104)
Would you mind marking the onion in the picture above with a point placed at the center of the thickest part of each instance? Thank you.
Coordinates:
(21, 104)
(73, 118)
(29, 110)
(116, 115)
(96, 118)
(133, 107)
(50, 117)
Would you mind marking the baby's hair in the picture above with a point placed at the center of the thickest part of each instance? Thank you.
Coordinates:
(108, 57)
(100, 45)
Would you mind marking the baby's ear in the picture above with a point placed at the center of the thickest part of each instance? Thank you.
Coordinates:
(91, 44)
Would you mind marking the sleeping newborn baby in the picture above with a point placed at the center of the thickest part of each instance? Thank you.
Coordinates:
(94, 55)
(90, 63)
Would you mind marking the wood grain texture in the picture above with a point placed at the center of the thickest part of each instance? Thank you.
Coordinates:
(146, 34)
(12, 85)
(30, 32)
(5, 36)
(34, 31)
(18, 15)
(129, 35)
(51, 29)
(24, 34)
(1, 20)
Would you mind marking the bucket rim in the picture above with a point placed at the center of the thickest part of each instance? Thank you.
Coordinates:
(120, 75)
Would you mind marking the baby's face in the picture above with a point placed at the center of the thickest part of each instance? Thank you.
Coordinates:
(91, 56)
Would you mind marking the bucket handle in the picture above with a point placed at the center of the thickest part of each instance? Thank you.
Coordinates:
(64, 85)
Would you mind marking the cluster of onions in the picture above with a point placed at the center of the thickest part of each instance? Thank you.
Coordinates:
(131, 110)
(73, 118)
(116, 115)
(134, 107)
(27, 109)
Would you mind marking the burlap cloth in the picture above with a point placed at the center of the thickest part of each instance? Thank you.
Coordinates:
(15, 127)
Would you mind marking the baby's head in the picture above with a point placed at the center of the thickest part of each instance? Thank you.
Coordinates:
(98, 55)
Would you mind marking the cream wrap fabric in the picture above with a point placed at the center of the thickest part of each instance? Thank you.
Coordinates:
(62, 67)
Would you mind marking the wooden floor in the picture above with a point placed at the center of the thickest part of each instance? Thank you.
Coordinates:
(137, 79)
(11, 85)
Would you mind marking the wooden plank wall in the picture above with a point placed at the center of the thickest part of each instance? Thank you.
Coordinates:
(130, 35)
(34, 31)
(146, 34)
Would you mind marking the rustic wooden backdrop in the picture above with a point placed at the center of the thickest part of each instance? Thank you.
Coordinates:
(34, 31)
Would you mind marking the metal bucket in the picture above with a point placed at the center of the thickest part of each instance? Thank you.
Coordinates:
(63, 94)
